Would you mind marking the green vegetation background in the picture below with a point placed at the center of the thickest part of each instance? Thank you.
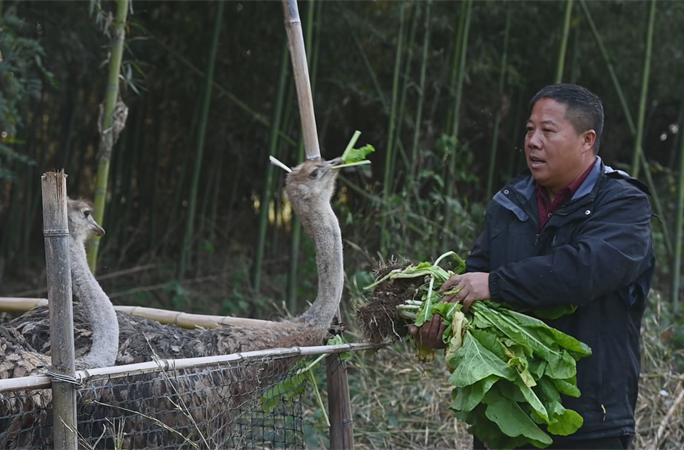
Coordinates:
(447, 126)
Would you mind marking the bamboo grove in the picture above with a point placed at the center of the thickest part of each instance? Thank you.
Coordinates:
(195, 215)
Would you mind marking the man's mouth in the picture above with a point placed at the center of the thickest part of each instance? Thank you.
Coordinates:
(536, 162)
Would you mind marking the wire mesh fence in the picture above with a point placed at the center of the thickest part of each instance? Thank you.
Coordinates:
(249, 404)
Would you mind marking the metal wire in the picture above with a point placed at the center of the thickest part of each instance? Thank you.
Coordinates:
(252, 404)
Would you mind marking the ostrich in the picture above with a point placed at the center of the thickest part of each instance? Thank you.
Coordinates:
(18, 358)
(309, 188)
(97, 308)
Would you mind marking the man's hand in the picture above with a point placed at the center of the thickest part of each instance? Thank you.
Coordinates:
(472, 287)
(430, 334)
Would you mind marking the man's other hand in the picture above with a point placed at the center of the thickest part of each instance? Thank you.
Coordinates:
(472, 287)
(430, 334)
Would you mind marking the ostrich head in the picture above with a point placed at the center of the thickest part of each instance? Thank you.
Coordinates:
(82, 225)
(311, 181)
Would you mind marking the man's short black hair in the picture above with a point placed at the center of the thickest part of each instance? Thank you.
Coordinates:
(584, 108)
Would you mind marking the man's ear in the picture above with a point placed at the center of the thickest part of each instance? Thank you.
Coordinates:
(588, 139)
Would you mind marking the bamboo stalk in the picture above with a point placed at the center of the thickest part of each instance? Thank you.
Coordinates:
(107, 133)
(405, 87)
(104, 373)
(453, 75)
(497, 115)
(457, 104)
(300, 70)
(387, 183)
(630, 123)
(56, 232)
(201, 133)
(266, 194)
(421, 92)
(564, 42)
(644, 91)
(679, 227)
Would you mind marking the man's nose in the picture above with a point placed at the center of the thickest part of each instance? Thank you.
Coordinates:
(534, 139)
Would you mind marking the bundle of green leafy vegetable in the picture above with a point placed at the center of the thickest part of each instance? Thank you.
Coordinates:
(508, 369)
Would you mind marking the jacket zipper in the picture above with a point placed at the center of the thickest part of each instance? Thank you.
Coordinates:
(536, 241)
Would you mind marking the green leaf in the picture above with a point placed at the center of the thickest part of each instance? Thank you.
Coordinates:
(560, 363)
(467, 398)
(567, 387)
(284, 391)
(339, 340)
(473, 362)
(561, 421)
(353, 155)
(511, 419)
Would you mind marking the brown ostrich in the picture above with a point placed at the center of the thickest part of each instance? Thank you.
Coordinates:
(309, 188)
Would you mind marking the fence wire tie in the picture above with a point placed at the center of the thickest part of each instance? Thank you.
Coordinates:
(64, 378)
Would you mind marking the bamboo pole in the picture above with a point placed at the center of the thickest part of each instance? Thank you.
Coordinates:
(295, 39)
(497, 115)
(56, 232)
(181, 319)
(564, 42)
(313, 15)
(201, 133)
(107, 134)
(337, 381)
(679, 227)
(387, 183)
(106, 373)
(339, 406)
(644, 91)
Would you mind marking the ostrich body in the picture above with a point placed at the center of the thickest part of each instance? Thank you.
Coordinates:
(309, 188)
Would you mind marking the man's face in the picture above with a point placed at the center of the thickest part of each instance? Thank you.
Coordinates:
(556, 154)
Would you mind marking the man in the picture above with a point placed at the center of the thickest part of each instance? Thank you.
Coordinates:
(571, 231)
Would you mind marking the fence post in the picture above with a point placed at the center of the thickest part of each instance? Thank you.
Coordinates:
(56, 234)
(339, 404)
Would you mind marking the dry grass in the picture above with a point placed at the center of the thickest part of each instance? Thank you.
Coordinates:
(401, 403)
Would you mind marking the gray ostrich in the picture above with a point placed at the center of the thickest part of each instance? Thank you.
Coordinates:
(18, 358)
(97, 308)
(309, 188)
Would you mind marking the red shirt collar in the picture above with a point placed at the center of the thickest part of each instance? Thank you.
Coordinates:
(548, 208)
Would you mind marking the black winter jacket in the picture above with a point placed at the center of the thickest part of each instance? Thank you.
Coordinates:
(596, 252)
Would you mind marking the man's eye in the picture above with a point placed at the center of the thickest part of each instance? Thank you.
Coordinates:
(546, 130)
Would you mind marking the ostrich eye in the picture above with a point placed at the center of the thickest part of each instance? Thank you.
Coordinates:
(87, 213)
(314, 173)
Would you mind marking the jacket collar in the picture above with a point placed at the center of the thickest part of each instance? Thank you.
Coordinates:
(525, 186)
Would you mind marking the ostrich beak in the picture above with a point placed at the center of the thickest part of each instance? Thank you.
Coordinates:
(98, 230)
(333, 162)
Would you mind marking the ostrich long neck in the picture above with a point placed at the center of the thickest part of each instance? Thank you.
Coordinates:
(321, 225)
(98, 308)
